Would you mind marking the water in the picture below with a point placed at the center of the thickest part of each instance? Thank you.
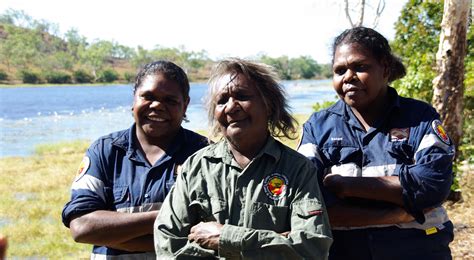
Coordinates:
(30, 116)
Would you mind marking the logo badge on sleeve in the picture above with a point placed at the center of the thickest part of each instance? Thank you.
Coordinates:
(83, 167)
(275, 186)
(440, 132)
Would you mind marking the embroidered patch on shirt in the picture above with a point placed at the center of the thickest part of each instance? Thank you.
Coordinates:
(275, 186)
(440, 132)
(399, 134)
(83, 167)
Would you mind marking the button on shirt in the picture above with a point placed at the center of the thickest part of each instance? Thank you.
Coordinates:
(275, 193)
(407, 141)
(119, 178)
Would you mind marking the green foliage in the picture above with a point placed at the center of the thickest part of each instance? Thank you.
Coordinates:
(81, 76)
(320, 106)
(417, 38)
(281, 65)
(3, 75)
(416, 41)
(326, 71)
(107, 75)
(29, 77)
(303, 67)
(58, 77)
(129, 76)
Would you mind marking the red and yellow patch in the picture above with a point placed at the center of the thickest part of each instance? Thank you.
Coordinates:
(440, 132)
(83, 167)
(275, 186)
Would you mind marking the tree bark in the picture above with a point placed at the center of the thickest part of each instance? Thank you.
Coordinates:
(448, 86)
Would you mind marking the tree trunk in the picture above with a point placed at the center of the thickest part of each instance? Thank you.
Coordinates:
(448, 86)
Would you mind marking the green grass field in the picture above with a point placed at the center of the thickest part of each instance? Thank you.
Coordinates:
(33, 192)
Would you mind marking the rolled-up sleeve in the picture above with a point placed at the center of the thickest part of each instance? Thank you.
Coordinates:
(427, 182)
(88, 189)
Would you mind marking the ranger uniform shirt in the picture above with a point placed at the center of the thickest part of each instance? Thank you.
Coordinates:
(275, 193)
(408, 141)
(114, 175)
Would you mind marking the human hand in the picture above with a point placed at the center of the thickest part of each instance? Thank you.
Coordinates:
(206, 234)
(335, 183)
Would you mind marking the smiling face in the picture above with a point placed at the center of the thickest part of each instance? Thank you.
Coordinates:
(158, 108)
(358, 78)
(240, 111)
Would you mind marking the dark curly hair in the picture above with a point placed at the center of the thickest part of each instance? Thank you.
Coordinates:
(375, 43)
(168, 69)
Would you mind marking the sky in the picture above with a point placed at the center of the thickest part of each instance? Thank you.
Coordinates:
(223, 28)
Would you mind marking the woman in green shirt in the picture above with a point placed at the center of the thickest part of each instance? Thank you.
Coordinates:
(248, 195)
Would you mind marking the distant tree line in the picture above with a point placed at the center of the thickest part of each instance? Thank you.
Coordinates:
(33, 51)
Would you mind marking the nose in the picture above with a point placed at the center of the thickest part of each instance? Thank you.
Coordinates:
(231, 106)
(350, 75)
(155, 104)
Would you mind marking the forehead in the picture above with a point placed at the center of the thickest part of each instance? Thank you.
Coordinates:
(350, 52)
(159, 83)
(233, 82)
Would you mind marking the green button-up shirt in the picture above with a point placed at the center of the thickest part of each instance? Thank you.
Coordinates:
(277, 192)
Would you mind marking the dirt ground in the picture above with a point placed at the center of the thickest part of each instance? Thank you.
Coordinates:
(462, 215)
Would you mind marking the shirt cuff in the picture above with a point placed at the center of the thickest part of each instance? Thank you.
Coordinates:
(230, 241)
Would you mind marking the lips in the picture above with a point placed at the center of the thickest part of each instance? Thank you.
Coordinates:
(350, 88)
(155, 118)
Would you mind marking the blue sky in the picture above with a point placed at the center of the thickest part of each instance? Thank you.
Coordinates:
(242, 28)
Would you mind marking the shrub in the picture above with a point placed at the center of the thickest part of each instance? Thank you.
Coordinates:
(81, 76)
(3, 75)
(29, 77)
(107, 76)
(320, 106)
(58, 77)
(129, 77)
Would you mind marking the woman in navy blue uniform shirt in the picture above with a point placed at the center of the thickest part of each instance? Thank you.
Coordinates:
(387, 159)
(131, 171)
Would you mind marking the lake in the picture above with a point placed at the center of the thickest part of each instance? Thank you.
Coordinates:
(41, 115)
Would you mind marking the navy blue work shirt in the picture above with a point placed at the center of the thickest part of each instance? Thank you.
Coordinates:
(407, 141)
(115, 175)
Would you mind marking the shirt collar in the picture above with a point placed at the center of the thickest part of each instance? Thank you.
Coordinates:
(342, 109)
(221, 150)
(128, 143)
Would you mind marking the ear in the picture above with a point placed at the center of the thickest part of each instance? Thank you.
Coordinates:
(186, 103)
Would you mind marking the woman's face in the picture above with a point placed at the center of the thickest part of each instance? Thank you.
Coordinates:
(159, 107)
(240, 110)
(358, 78)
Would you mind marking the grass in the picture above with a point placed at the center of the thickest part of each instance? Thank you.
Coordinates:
(34, 190)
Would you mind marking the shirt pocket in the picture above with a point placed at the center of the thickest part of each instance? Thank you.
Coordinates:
(307, 208)
(341, 153)
(121, 197)
(269, 217)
